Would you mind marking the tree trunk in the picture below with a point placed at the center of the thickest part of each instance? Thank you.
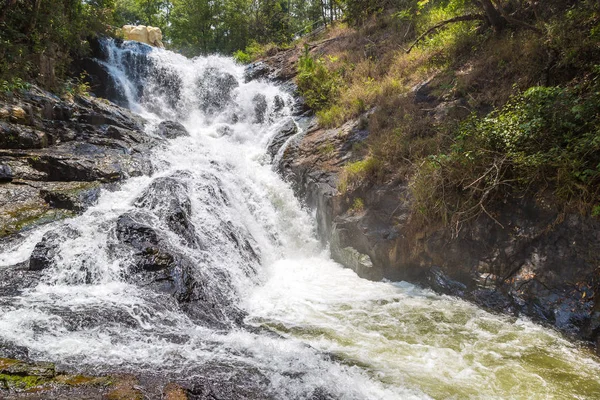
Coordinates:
(493, 16)
(36, 11)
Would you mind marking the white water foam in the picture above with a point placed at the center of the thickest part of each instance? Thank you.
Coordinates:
(368, 340)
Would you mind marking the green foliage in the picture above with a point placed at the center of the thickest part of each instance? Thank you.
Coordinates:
(14, 85)
(76, 87)
(316, 82)
(358, 205)
(242, 57)
(356, 172)
(38, 39)
(546, 137)
(230, 26)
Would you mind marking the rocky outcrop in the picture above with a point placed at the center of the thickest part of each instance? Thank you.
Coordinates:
(143, 34)
(531, 259)
(55, 155)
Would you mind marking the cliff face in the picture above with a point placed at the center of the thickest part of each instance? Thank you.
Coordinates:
(524, 257)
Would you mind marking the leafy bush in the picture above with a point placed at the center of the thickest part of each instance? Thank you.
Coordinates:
(242, 57)
(546, 137)
(316, 82)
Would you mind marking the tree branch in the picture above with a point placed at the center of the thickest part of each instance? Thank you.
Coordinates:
(461, 18)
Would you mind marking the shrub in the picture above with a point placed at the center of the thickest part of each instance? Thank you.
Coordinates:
(546, 137)
(357, 172)
(316, 83)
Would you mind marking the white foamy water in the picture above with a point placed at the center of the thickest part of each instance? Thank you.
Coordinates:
(337, 335)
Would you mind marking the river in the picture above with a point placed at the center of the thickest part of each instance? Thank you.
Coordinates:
(309, 328)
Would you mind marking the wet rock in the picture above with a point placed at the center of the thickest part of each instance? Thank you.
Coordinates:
(18, 115)
(168, 197)
(441, 283)
(125, 388)
(215, 90)
(6, 174)
(278, 103)
(9, 350)
(260, 108)
(171, 130)
(44, 252)
(76, 198)
(256, 70)
(174, 392)
(19, 137)
(157, 265)
(15, 367)
(288, 130)
(54, 165)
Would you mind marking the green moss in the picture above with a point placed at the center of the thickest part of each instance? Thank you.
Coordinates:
(30, 215)
(21, 382)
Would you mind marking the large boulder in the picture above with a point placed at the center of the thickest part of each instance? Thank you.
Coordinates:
(144, 34)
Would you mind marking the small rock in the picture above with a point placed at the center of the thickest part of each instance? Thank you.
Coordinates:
(18, 115)
(4, 113)
(256, 70)
(45, 251)
(171, 130)
(288, 129)
(6, 174)
(125, 389)
(260, 108)
(278, 103)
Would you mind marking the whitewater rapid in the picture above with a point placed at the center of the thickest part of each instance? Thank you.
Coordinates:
(331, 332)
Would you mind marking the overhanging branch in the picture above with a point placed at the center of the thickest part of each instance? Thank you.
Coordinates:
(461, 18)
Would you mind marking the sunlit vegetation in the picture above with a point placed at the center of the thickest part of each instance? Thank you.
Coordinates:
(510, 107)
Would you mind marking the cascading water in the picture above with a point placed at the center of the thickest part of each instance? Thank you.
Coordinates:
(210, 271)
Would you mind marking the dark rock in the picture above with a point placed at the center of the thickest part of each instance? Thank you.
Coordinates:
(215, 90)
(168, 197)
(278, 103)
(60, 152)
(44, 253)
(6, 174)
(102, 83)
(171, 130)
(9, 350)
(423, 93)
(74, 199)
(288, 130)
(160, 267)
(256, 70)
(260, 108)
(14, 136)
(441, 283)
(146, 241)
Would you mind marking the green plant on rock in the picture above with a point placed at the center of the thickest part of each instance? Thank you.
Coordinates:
(76, 87)
(355, 173)
(358, 205)
(13, 85)
(316, 82)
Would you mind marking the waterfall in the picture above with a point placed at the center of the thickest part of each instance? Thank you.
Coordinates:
(210, 271)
